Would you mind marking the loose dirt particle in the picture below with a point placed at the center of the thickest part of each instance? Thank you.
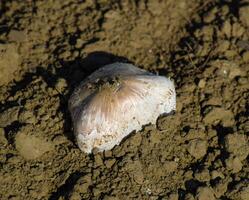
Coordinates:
(189, 197)
(9, 116)
(110, 163)
(3, 140)
(197, 148)
(244, 15)
(244, 193)
(245, 56)
(237, 144)
(234, 164)
(220, 188)
(205, 193)
(173, 196)
(202, 175)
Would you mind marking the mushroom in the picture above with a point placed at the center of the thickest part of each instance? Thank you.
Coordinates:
(114, 101)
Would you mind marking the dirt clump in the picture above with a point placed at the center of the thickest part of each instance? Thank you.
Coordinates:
(205, 193)
(31, 147)
(9, 63)
(198, 148)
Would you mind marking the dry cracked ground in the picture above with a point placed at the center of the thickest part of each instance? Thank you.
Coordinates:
(199, 153)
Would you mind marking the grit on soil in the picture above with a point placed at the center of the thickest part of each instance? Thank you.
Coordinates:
(200, 152)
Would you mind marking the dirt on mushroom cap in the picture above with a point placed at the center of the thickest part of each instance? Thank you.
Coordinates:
(200, 152)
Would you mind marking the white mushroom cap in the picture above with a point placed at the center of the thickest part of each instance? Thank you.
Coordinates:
(116, 100)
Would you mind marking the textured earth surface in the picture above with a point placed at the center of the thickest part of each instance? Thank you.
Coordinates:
(199, 153)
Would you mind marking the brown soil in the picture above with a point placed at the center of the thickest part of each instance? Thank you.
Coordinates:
(200, 152)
